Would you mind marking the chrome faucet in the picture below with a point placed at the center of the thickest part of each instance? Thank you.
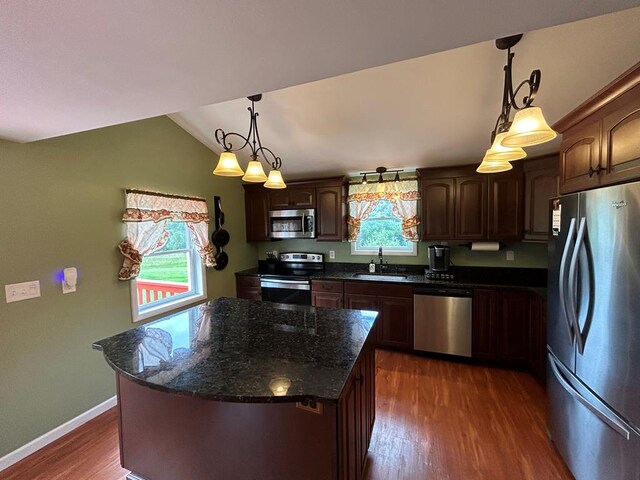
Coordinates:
(380, 258)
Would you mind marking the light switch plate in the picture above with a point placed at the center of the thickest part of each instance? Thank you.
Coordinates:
(22, 291)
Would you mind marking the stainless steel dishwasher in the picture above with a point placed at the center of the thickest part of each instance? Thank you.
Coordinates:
(442, 319)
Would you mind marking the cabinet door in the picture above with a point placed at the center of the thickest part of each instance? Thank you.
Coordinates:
(257, 215)
(579, 156)
(471, 208)
(484, 324)
(292, 198)
(396, 322)
(349, 447)
(302, 197)
(323, 299)
(438, 197)
(620, 141)
(329, 216)
(359, 301)
(541, 183)
(513, 331)
(538, 337)
(506, 200)
(363, 405)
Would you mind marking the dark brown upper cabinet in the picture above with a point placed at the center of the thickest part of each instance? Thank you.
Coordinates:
(292, 198)
(506, 199)
(256, 206)
(330, 213)
(438, 201)
(541, 183)
(325, 195)
(601, 143)
(471, 207)
(460, 204)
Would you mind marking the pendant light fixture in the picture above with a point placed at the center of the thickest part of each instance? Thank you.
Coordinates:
(380, 171)
(528, 127)
(228, 164)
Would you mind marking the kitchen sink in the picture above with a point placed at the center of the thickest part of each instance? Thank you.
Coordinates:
(388, 277)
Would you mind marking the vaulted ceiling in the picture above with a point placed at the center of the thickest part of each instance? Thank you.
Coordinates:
(348, 85)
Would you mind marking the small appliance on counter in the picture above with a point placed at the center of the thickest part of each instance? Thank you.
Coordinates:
(439, 258)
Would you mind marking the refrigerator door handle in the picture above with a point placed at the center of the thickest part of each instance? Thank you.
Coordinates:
(562, 281)
(573, 285)
(611, 422)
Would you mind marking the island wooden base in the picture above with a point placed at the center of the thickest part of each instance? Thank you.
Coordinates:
(165, 436)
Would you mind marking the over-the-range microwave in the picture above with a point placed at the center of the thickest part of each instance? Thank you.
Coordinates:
(292, 223)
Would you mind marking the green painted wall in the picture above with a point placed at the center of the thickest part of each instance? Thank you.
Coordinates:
(532, 255)
(62, 200)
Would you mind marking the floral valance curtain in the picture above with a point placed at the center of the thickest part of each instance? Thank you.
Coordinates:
(403, 195)
(146, 216)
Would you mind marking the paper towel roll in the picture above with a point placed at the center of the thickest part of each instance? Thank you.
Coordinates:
(485, 246)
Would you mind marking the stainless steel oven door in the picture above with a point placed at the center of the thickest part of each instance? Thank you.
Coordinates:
(297, 292)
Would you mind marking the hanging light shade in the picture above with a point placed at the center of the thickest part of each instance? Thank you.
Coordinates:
(255, 173)
(499, 152)
(493, 166)
(228, 166)
(275, 180)
(528, 128)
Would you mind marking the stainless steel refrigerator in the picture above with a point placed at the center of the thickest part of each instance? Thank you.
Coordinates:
(593, 339)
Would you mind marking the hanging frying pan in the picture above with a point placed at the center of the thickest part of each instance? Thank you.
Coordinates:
(220, 237)
(221, 258)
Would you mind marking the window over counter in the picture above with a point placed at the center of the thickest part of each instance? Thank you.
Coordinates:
(169, 278)
(165, 251)
(384, 215)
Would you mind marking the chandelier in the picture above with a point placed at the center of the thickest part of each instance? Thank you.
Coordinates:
(228, 164)
(528, 126)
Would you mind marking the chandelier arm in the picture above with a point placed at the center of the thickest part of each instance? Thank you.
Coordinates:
(221, 138)
(276, 163)
(533, 83)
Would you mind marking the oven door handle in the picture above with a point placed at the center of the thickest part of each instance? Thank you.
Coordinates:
(287, 284)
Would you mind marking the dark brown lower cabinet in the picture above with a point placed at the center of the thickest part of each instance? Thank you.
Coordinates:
(326, 299)
(501, 331)
(356, 416)
(394, 304)
(286, 441)
(248, 287)
(538, 337)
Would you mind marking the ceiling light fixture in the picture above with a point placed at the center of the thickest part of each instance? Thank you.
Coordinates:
(528, 127)
(228, 164)
(380, 171)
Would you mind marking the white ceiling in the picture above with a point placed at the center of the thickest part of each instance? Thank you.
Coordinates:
(429, 111)
(75, 65)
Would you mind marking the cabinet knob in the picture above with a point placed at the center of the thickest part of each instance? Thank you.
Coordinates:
(360, 378)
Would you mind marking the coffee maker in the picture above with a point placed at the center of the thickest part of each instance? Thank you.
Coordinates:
(439, 262)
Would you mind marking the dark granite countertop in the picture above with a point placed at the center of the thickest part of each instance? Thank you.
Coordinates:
(244, 351)
(534, 279)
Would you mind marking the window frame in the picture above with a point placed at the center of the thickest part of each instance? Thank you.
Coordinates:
(386, 250)
(197, 277)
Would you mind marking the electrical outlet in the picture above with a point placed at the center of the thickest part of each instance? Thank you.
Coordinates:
(22, 291)
(275, 253)
(510, 255)
(332, 254)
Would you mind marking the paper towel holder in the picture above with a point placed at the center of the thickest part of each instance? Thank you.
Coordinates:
(468, 245)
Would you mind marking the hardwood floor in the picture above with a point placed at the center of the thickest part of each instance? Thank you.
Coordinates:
(434, 420)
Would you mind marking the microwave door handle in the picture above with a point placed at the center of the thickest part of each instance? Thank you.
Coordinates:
(303, 220)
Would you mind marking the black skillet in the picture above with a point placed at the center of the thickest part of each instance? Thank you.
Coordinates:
(220, 237)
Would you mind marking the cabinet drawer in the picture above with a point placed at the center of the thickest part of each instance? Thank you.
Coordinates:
(247, 281)
(387, 289)
(326, 286)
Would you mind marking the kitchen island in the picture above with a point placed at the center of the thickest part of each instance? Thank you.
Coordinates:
(239, 389)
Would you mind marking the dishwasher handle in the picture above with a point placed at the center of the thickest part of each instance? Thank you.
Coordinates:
(443, 292)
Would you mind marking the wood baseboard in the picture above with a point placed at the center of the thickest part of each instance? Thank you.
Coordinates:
(51, 436)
